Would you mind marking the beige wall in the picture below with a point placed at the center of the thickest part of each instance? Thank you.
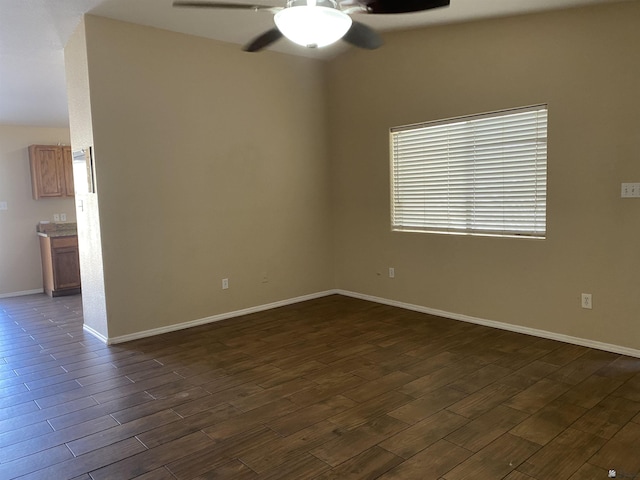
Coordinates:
(210, 164)
(584, 64)
(213, 163)
(20, 266)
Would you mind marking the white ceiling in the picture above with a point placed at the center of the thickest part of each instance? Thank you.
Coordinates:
(33, 34)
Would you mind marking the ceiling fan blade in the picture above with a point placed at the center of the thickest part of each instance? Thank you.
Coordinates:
(232, 6)
(402, 6)
(264, 40)
(362, 36)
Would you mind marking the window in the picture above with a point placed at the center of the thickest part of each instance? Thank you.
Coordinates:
(482, 174)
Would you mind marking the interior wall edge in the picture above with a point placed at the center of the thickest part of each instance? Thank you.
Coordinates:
(584, 342)
(214, 318)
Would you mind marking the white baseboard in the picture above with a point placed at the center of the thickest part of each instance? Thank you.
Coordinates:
(408, 306)
(96, 334)
(631, 352)
(202, 321)
(20, 294)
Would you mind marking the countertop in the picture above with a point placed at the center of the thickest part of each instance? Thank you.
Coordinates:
(58, 234)
(66, 229)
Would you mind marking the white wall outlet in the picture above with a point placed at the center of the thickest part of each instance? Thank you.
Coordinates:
(63, 217)
(392, 272)
(586, 301)
(3, 206)
(56, 217)
(225, 283)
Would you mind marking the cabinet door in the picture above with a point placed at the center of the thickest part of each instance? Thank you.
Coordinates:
(67, 162)
(47, 171)
(66, 268)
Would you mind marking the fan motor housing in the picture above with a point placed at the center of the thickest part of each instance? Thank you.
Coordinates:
(318, 3)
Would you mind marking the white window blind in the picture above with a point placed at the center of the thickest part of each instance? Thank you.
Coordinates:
(483, 174)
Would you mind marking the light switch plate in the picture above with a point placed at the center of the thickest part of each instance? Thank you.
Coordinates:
(3, 206)
(630, 190)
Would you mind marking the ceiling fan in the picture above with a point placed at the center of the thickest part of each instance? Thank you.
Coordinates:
(317, 23)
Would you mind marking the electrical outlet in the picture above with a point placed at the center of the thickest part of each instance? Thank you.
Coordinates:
(3, 206)
(225, 283)
(392, 272)
(56, 217)
(586, 301)
(63, 217)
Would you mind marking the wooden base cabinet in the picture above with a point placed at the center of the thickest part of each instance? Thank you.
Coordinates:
(60, 265)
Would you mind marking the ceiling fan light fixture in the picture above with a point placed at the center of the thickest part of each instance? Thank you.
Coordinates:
(313, 26)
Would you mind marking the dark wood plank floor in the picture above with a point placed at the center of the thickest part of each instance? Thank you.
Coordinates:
(334, 388)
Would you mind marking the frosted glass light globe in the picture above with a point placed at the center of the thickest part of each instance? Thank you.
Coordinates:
(312, 26)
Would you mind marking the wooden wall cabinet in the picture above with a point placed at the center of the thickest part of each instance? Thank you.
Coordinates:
(60, 265)
(51, 171)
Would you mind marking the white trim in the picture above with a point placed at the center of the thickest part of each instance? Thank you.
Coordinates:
(631, 352)
(96, 334)
(20, 294)
(214, 318)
